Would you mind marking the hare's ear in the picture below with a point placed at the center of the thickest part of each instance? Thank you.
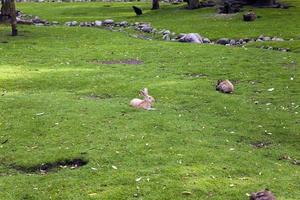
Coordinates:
(145, 91)
(142, 93)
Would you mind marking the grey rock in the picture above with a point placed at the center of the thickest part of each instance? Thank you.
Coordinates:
(277, 39)
(68, 23)
(82, 24)
(166, 32)
(98, 23)
(259, 40)
(108, 22)
(166, 37)
(37, 20)
(266, 38)
(206, 40)
(223, 41)
(147, 29)
(124, 23)
(73, 23)
(232, 42)
(191, 37)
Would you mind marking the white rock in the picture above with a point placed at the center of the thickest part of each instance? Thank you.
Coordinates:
(98, 23)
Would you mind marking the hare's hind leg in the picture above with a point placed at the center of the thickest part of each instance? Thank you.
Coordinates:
(150, 109)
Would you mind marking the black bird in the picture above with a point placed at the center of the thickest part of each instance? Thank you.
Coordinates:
(137, 10)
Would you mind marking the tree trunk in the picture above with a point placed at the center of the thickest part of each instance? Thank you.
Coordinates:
(8, 12)
(155, 4)
(193, 4)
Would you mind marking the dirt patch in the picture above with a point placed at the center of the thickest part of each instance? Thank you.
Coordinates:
(51, 167)
(124, 62)
(99, 96)
(260, 144)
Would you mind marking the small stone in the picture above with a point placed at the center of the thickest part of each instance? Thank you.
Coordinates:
(124, 23)
(108, 22)
(266, 38)
(223, 41)
(81, 24)
(167, 32)
(206, 40)
(232, 42)
(147, 29)
(98, 23)
(166, 37)
(68, 23)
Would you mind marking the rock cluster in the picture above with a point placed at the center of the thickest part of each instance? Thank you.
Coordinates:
(148, 29)
(171, 36)
(190, 37)
(33, 20)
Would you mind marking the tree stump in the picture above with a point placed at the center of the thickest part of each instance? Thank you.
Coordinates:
(155, 4)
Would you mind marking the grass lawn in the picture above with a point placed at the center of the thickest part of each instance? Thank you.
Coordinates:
(58, 101)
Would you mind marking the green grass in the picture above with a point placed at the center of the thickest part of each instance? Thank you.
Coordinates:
(198, 140)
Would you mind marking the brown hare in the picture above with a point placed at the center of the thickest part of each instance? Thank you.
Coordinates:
(262, 195)
(146, 103)
(225, 86)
